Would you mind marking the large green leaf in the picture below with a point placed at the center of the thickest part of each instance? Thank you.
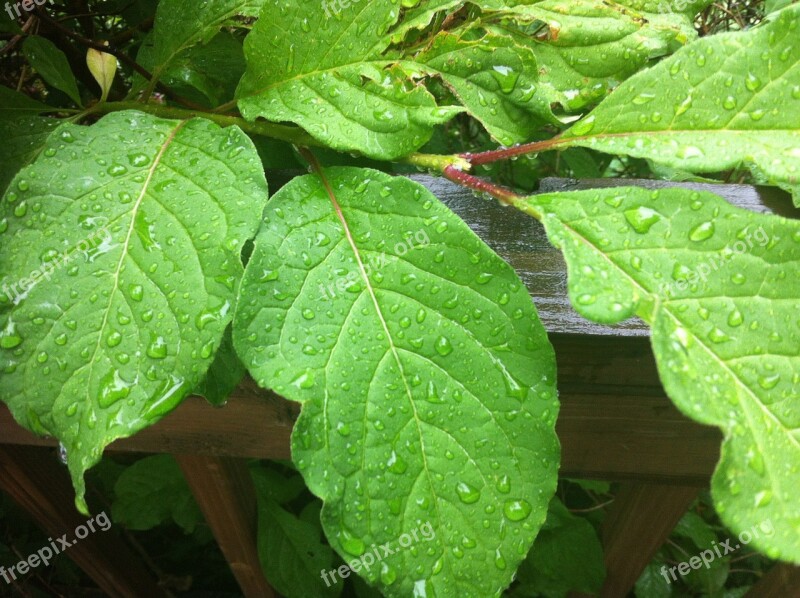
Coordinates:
(223, 376)
(345, 96)
(719, 287)
(495, 79)
(179, 26)
(586, 48)
(52, 65)
(725, 101)
(426, 378)
(120, 251)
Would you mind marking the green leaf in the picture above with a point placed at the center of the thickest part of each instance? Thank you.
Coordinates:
(178, 27)
(274, 485)
(223, 376)
(14, 104)
(495, 79)
(652, 583)
(52, 65)
(718, 286)
(23, 139)
(347, 96)
(420, 16)
(292, 553)
(586, 48)
(153, 491)
(567, 556)
(120, 278)
(695, 528)
(726, 101)
(426, 378)
(776, 5)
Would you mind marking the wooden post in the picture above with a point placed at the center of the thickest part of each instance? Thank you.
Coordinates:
(782, 581)
(639, 522)
(35, 480)
(226, 495)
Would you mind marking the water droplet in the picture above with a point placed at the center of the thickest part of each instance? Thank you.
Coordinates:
(350, 543)
(642, 218)
(112, 389)
(516, 510)
(467, 494)
(506, 77)
(504, 484)
(443, 346)
(157, 348)
(702, 231)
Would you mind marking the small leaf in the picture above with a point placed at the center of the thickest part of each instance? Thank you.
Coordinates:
(426, 378)
(726, 101)
(292, 553)
(23, 139)
(131, 265)
(51, 63)
(14, 104)
(103, 68)
(719, 287)
(153, 491)
(567, 556)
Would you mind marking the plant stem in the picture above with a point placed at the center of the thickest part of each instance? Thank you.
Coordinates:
(436, 161)
(291, 134)
(506, 196)
(512, 152)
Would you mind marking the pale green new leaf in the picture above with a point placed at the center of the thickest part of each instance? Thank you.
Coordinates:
(52, 65)
(120, 256)
(495, 79)
(719, 287)
(725, 101)
(426, 378)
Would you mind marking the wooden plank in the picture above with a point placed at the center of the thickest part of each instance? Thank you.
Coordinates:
(782, 581)
(224, 490)
(40, 485)
(615, 422)
(638, 523)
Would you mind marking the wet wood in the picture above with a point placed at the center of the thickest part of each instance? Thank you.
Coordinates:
(638, 523)
(224, 490)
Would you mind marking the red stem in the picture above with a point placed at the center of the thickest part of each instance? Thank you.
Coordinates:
(510, 152)
(467, 180)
